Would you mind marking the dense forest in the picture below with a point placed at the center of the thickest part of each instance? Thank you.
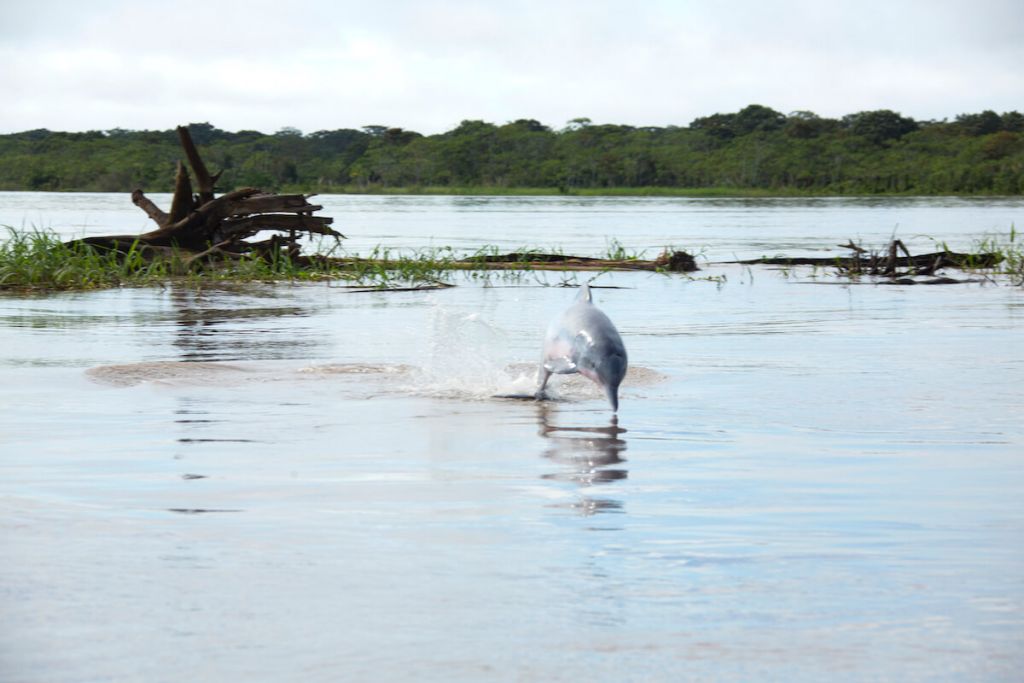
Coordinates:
(756, 149)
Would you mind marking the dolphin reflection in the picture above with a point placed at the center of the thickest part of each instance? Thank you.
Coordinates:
(588, 456)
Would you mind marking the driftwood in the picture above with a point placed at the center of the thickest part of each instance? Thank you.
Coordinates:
(202, 226)
(888, 262)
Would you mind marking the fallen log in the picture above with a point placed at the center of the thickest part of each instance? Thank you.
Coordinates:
(887, 264)
(203, 226)
(267, 203)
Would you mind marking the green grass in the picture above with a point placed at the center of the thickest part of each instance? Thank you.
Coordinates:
(1010, 249)
(40, 260)
(616, 251)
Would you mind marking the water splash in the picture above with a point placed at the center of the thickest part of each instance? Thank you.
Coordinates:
(468, 358)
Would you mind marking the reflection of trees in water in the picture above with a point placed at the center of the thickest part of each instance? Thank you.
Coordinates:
(588, 455)
(219, 326)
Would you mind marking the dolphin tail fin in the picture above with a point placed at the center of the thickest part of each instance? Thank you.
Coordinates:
(584, 293)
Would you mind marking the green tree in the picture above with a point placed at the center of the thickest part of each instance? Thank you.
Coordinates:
(880, 125)
(980, 124)
(757, 118)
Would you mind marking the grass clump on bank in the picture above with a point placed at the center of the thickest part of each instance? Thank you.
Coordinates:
(40, 260)
(1010, 252)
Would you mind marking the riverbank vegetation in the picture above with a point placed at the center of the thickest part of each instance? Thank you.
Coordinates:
(41, 261)
(756, 150)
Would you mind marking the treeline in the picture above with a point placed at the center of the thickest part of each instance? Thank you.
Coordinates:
(756, 148)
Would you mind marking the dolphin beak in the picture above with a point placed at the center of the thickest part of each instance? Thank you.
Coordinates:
(609, 377)
(612, 392)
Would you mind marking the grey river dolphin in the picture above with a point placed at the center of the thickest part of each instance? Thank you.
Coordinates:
(584, 340)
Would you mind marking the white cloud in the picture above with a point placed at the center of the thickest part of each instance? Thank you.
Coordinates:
(426, 65)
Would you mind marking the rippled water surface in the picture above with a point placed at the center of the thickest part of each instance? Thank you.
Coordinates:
(805, 482)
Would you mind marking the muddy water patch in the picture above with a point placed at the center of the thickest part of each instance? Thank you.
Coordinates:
(166, 372)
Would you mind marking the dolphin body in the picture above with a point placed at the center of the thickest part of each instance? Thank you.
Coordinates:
(584, 340)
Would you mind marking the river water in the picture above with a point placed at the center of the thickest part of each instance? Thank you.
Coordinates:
(807, 480)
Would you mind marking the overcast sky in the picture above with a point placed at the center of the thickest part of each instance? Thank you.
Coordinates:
(426, 65)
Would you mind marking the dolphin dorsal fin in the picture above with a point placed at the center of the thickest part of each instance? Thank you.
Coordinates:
(584, 294)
